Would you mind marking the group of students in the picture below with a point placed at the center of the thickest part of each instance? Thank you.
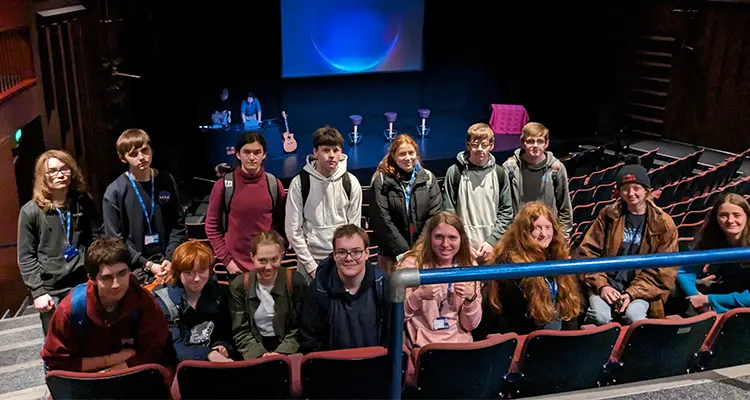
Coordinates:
(336, 298)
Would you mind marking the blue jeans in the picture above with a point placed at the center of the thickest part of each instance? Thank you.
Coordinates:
(600, 313)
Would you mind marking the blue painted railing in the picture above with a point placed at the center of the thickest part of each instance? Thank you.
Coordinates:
(412, 277)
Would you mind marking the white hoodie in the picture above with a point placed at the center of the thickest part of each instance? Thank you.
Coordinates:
(310, 231)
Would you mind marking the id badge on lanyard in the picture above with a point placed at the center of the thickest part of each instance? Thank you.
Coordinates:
(152, 237)
(71, 251)
(440, 323)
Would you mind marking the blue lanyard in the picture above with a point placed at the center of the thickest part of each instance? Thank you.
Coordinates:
(65, 222)
(140, 200)
(408, 189)
(552, 287)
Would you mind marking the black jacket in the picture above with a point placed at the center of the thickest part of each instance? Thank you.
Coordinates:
(388, 210)
(325, 322)
(124, 218)
(42, 242)
(198, 330)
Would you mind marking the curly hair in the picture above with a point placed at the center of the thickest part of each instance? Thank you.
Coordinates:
(711, 236)
(42, 194)
(518, 246)
(387, 165)
(422, 249)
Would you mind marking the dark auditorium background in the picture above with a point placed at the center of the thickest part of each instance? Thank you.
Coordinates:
(568, 63)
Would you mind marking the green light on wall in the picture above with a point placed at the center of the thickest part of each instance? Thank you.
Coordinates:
(18, 135)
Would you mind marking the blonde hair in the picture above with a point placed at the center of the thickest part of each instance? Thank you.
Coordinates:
(388, 164)
(42, 192)
(480, 131)
(266, 237)
(534, 129)
(422, 250)
(131, 139)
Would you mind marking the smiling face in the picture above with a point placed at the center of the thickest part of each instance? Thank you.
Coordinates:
(633, 194)
(732, 220)
(350, 255)
(406, 157)
(195, 279)
(268, 259)
(58, 174)
(445, 241)
(543, 231)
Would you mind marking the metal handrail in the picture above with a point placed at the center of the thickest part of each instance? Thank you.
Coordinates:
(413, 277)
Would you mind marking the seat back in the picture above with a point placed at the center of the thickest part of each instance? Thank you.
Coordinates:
(263, 378)
(149, 381)
(659, 348)
(559, 361)
(731, 342)
(467, 370)
(362, 373)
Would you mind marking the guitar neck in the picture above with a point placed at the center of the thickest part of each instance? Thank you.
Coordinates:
(286, 124)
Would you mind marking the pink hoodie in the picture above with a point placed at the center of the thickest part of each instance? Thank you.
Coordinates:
(420, 315)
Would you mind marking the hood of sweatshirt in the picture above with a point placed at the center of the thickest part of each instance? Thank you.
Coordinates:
(337, 173)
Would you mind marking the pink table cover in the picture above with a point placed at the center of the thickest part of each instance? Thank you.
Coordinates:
(508, 118)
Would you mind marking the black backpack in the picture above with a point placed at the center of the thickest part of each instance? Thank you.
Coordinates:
(273, 190)
(304, 180)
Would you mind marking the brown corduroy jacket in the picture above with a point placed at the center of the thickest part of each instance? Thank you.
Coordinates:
(604, 238)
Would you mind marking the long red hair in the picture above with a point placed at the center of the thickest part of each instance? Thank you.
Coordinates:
(518, 246)
(388, 164)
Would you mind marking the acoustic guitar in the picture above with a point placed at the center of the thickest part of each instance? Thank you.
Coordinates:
(290, 144)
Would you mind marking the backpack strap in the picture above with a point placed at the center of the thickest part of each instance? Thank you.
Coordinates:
(174, 313)
(273, 188)
(555, 170)
(500, 172)
(246, 283)
(78, 306)
(227, 199)
(289, 274)
(347, 182)
(304, 182)
(456, 178)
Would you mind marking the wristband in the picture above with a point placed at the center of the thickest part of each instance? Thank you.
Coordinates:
(471, 299)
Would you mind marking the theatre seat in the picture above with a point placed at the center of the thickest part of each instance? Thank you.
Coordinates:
(657, 348)
(262, 378)
(149, 381)
(362, 373)
(466, 370)
(729, 342)
(560, 361)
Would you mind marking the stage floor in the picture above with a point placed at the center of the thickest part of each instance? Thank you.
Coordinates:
(438, 149)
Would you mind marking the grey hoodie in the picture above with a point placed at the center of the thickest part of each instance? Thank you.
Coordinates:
(484, 208)
(310, 230)
(554, 191)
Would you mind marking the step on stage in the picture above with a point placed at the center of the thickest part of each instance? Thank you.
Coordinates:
(438, 149)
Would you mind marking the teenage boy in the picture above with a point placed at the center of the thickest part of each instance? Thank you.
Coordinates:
(347, 304)
(243, 203)
(321, 198)
(477, 190)
(142, 206)
(536, 175)
(633, 225)
(109, 322)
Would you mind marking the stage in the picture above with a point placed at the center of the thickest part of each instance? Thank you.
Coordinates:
(438, 149)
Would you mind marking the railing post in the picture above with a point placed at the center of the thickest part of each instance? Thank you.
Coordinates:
(400, 280)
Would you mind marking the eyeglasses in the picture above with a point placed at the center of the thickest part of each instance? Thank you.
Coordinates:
(266, 261)
(478, 146)
(342, 254)
(538, 142)
(53, 172)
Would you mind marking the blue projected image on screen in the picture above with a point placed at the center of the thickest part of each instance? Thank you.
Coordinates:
(332, 37)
